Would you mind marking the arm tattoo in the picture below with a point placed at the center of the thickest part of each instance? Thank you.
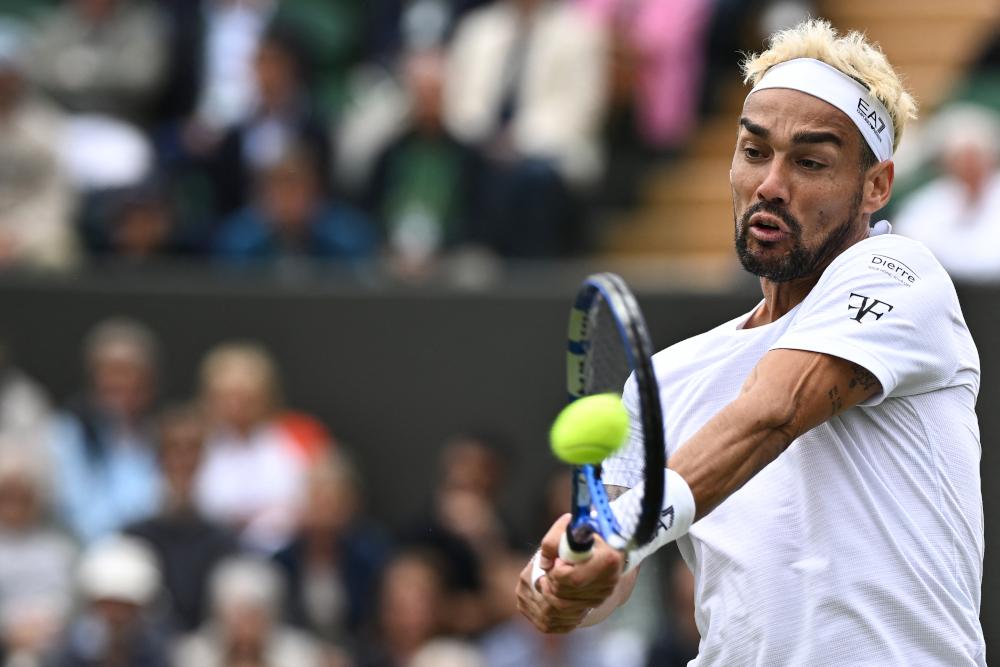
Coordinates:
(862, 377)
(835, 401)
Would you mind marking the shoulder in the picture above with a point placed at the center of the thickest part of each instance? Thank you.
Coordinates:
(889, 259)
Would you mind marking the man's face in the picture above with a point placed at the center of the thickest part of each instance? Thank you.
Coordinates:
(797, 185)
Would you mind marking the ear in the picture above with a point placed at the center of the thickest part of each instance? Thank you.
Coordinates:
(878, 186)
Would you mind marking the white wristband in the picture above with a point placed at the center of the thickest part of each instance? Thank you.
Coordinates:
(675, 518)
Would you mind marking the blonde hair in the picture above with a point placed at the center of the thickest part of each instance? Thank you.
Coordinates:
(852, 54)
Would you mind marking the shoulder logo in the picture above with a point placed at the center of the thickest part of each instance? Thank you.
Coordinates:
(893, 268)
(865, 306)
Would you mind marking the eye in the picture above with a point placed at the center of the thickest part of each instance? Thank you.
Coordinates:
(752, 153)
(811, 165)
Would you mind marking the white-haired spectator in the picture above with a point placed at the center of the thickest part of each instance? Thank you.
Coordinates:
(957, 215)
(36, 558)
(24, 405)
(253, 474)
(102, 443)
(119, 583)
(246, 626)
(36, 197)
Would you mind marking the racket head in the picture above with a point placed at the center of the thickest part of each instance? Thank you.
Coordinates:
(608, 343)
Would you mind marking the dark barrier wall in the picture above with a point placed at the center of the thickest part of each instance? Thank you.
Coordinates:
(394, 373)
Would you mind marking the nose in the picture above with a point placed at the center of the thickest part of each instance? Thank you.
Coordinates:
(774, 187)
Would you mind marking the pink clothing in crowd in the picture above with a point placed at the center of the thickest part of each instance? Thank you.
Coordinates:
(669, 37)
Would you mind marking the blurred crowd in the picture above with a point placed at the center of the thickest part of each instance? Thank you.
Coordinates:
(393, 132)
(230, 530)
(265, 131)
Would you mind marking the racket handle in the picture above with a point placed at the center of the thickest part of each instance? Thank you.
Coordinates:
(571, 552)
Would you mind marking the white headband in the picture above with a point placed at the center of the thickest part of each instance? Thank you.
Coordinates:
(829, 84)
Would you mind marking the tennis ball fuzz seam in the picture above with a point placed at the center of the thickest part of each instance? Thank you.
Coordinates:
(589, 429)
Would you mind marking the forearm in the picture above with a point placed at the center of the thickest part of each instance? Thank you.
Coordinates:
(788, 393)
(726, 452)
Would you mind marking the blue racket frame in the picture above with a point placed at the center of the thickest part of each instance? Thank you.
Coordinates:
(591, 511)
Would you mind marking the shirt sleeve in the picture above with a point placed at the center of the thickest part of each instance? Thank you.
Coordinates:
(625, 467)
(889, 308)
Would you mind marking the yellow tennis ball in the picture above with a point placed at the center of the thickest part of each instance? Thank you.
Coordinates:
(589, 429)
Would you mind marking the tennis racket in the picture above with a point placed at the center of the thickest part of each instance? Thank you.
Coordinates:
(608, 343)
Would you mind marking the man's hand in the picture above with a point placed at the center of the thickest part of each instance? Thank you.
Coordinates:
(567, 593)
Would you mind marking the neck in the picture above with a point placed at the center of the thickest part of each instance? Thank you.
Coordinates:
(780, 298)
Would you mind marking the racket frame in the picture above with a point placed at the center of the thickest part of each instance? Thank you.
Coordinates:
(590, 508)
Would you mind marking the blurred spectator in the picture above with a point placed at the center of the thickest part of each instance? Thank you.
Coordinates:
(678, 645)
(187, 544)
(36, 199)
(526, 84)
(282, 118)
(139, 224)
(103, 443)
(24, 405)
(289, 218)
(246, 628)
(657, 58)
(36, 559)
(423, 186)
(101, 56)
(333, 562)
(466, 503)
(412, 609)
(655, 74)
(116, 626)
(400, 26)
(958, 214)
(253, 474)
(331, 33)
(231, 32)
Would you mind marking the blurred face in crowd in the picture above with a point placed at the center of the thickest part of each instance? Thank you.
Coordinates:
(798, 194)
(277, 75)
(972, 164)
(331, 499)
(245, 627)
(290, 195)
(20, 504)
(122, 378)
(469, 465)
(424, 73)
(181, 445)
(238, 397)
(410, 602)
(142, 229)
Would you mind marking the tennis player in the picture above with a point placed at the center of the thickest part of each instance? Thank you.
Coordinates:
(824, 446)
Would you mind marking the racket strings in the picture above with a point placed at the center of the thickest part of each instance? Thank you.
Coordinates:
(606, 369)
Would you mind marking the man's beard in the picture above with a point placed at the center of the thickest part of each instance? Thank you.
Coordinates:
(800, 261)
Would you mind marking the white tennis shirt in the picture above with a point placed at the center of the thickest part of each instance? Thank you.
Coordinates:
(861, 544)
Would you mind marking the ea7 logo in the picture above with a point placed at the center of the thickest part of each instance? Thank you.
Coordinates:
(867, 306)
(868, 113)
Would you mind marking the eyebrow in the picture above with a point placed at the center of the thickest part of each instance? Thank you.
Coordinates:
(804, 137)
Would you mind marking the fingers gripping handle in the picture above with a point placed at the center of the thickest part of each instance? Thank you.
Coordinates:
(569, 554)
(566, 554)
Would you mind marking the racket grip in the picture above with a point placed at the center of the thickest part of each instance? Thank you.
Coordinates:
(570, 555)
